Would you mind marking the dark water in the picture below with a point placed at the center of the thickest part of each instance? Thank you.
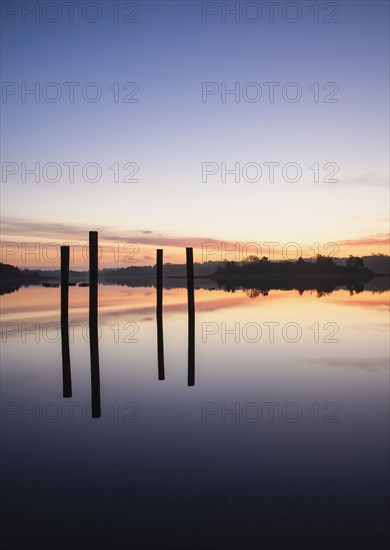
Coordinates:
(282, 442)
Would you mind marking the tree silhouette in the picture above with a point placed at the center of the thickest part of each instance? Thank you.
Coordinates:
(355, 262)
(252, 259)
(325, 261)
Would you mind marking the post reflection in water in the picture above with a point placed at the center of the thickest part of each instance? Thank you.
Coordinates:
(159, 314)
(93, 323)
(191, 316)
(66, 373)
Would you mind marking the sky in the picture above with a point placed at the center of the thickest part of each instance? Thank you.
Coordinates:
(178, 161)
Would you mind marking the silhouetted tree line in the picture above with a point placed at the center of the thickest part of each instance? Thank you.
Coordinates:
(12, 278)
(325, 266)
(9, 272)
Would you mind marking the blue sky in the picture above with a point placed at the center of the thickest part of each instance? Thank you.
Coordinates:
(170, 132)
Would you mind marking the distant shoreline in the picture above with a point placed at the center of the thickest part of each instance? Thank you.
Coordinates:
(324, 274)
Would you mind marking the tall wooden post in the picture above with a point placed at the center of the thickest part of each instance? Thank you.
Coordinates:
(191, 316)
(159, 313)
(93, 323)
(66, 373)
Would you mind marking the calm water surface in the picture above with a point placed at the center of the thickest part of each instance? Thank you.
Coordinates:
(282, 442)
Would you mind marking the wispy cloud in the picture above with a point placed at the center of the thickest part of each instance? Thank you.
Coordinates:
(18, 231)
(370, 240)
(25, 229)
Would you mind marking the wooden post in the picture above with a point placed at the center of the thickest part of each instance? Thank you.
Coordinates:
(159, 314)
(191, 316)
(93, 323)
(66, 373)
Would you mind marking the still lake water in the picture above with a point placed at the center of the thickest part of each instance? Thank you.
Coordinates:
(282, 442)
